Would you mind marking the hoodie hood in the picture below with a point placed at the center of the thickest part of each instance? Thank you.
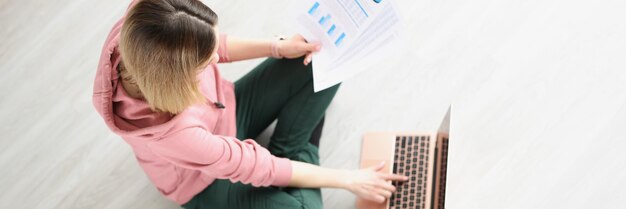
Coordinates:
(105, 86)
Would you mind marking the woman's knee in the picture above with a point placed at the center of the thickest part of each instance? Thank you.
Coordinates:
(294, 69)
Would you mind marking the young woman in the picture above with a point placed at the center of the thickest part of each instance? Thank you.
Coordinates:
(158, 87)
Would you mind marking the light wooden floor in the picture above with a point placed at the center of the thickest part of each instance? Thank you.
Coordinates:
(538, 89)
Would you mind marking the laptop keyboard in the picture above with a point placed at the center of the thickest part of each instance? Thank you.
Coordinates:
(411, 159)
(442, 176)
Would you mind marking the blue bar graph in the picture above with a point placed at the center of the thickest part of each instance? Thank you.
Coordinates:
(315, 6)
(324, 19)
(338, 41)
(331, 30)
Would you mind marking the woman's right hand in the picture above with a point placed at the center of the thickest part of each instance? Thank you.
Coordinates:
(371, 184)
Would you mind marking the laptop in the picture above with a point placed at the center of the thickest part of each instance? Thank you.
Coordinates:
(422, 156)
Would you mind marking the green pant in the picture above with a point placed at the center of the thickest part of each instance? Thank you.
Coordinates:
(275, 89)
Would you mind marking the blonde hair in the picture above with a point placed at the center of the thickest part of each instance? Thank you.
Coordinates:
(163, 44)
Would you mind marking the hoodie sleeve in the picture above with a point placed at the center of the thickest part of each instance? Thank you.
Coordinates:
(224, 157)
(222, 49)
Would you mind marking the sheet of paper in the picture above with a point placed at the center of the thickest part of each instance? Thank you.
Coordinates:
(349, 30)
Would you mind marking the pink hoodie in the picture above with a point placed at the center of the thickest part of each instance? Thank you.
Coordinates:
(183, 154)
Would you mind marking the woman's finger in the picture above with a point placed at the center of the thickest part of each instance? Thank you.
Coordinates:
(374, 197)
(386, 186)
(308, 58)
(308, 47)
(304, 45)
(317, 47)
(378, 198)
(373, 193)
(385, 193)
(394, 177)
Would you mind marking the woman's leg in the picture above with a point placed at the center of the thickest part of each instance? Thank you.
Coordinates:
(275, 89)
(283, 90)
(225, 194)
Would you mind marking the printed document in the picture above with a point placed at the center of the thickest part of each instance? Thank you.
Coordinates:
(349, 31)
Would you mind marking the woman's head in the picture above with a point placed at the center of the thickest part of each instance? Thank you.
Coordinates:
(164, 44)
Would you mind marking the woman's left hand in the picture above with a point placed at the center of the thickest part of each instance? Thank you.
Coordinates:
(297, 46)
